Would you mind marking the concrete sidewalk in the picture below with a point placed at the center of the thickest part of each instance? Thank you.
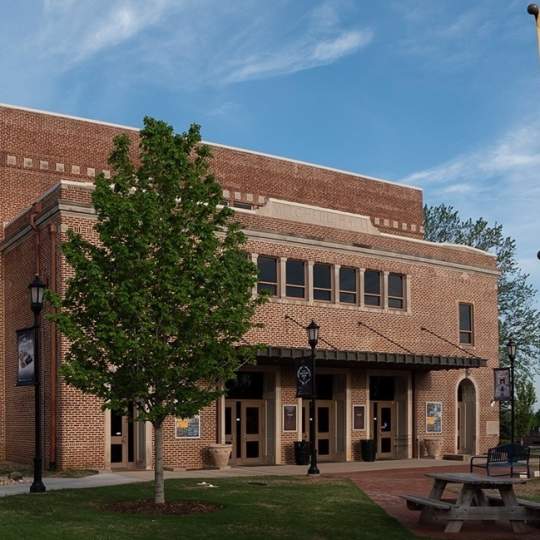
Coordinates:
(128, 477)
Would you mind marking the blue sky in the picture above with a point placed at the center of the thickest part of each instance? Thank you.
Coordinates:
(443, 95)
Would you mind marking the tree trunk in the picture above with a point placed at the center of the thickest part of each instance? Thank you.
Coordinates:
(159, 483)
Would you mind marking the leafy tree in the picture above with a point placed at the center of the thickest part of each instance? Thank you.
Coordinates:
(524, 415)
(157, 305)
(517, 315)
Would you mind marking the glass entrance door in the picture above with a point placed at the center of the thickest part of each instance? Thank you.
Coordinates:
(244, 429)
(325, 428)
(384, 428)
(122, 440)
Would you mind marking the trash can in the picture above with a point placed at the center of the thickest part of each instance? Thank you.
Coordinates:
(301, 452)
(367, 449)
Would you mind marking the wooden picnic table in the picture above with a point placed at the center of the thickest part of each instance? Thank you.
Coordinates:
(473, 504)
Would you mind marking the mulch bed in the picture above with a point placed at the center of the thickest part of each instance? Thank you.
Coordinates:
(149, 507)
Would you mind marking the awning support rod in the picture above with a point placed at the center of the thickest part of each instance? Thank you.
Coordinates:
(360, 323)
(448, 341)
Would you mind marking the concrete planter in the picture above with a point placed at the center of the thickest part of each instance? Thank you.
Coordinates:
(219, 455)
(433, 448)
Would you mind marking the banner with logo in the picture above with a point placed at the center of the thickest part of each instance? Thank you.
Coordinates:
(304, 379)
(25, 356)
(503, 386)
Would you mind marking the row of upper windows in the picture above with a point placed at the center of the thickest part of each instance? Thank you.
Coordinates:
(350, 281)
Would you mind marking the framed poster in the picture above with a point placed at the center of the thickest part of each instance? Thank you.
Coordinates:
(359, 417)
(289, 418)
(188, 428)
(25, 356)
(433, 417)
(503, 388)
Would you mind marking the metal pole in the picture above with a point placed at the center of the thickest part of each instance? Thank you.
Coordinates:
(512, 399)
(37, 485)
(313, 469)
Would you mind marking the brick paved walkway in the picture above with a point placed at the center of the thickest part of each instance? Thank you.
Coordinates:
(385, 487)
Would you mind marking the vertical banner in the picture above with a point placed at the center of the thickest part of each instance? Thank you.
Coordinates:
(25, 356)
(304, 379)
(503, 387)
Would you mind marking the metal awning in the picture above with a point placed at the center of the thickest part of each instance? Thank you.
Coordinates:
(270, 355)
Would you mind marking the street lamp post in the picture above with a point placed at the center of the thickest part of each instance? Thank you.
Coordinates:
(313, 338)
(534, 10)
(511, 349)
(37, 289)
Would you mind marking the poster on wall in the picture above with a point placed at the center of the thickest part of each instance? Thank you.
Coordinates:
(433, 417)
(359, 417)
(289, 417)
(188, 428)
(503, 388)
(25, 356)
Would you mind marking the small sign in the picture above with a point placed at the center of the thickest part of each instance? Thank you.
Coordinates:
(289, 417)
(359, 417)
(503, 386)
(26, 352)
(433, 417)
(304, 379)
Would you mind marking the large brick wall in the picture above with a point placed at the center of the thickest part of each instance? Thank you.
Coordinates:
(37, 150)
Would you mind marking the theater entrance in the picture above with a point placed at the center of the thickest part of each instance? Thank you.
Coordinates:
(249, 417)
(325, 435)
(127, 440)
(244, 430)
(390, 415)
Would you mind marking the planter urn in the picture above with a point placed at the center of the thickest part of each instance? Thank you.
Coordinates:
(433, 448)
(219, 455)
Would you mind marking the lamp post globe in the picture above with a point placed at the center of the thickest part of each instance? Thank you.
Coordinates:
(532, 9)
(37, 291)
(313, 333)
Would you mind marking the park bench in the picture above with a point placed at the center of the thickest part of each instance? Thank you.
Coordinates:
(509, 456)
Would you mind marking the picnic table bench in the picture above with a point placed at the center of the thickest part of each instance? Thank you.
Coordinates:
(473, 504)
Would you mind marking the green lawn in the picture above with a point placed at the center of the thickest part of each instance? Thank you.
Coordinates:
(295, 508)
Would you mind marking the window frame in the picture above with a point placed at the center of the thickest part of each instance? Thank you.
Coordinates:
(380, 305)
(402, 298)
(293, 285)
(324, 289)
(356, 292)
(470, 332)
(261, 282)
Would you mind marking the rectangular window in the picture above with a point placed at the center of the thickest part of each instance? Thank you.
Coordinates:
(372, 288)
(268, 275)
(295, 281)
(322, 282)
(466, 333)
(348, 285)
(396, 290)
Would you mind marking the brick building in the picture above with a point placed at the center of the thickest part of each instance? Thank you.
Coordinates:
(409, 332)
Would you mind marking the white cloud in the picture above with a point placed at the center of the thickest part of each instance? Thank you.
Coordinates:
(297, 56)
(192, 43)
(75, 31)
(501, 182)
